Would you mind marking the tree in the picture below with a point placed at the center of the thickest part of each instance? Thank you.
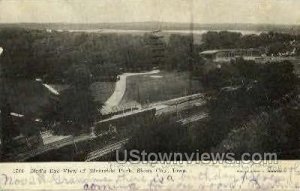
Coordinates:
(76, 106)
(219, 40)
(178, 53)
(8, 129)
(248, 99)
(163, 135)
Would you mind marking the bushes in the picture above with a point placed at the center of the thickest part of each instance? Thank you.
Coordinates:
(250, 109)
(161, 136)
(274, 131)
(263, 84)
(266, 132)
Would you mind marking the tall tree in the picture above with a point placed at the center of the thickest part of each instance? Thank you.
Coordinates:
(76, 106)
(8, 129)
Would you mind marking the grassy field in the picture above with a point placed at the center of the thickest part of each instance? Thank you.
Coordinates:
(101, 91)
(297, 66)
(146, 89)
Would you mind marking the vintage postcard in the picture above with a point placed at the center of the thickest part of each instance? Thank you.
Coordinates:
(149, 95)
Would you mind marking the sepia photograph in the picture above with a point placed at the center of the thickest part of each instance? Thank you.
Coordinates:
(149, 80)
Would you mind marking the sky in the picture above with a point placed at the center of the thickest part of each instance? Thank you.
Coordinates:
(183, 11)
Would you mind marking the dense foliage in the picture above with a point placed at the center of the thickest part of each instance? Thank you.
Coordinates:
(248, 101)
(271, 43)
(252, 108)
(34, 54)
(254, 102)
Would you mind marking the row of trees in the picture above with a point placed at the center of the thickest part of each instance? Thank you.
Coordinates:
(271, 42)
(40, 54)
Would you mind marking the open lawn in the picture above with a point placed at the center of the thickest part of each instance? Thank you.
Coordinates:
(101, 91)
(164, 85)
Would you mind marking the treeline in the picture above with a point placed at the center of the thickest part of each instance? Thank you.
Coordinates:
(271, 42)
(49, 55)
(33, 53)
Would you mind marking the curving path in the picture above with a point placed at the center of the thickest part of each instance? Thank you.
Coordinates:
(120, 88)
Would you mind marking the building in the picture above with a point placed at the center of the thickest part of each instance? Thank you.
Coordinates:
(226, 55)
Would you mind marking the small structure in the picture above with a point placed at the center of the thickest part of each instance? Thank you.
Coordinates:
(226, 55)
